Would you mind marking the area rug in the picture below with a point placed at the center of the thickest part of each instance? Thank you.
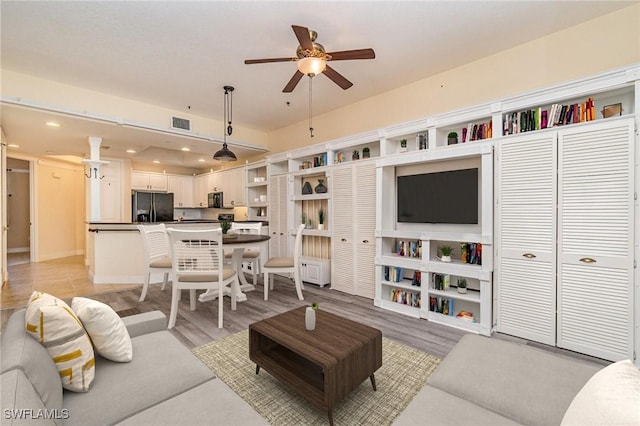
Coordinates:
(403, 373)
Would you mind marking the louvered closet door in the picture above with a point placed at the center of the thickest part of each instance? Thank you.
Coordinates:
(342, 248)
(595, 240)
(364, 220)
(278, 216)
(526, 237)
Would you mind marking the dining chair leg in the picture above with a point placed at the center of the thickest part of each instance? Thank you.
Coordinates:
(266, 285)
(220, 303)
(192, 299)
(234, 293)
(174, 306)
(145, 286)
(165, 278)
(298, 282)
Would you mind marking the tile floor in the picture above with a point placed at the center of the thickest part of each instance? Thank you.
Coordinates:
(64, 278)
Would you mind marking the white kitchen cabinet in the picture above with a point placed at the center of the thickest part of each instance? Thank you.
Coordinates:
(315, 270)
(232, 183)
(182, 188)
(144, 181)
(200, 191)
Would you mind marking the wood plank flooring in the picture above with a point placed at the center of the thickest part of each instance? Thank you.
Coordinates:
(68, 277)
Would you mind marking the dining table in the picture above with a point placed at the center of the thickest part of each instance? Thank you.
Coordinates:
(239, 241)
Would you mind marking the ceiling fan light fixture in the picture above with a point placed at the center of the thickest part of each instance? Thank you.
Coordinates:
(311, 65)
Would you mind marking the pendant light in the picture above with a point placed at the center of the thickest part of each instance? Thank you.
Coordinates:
(225, 155)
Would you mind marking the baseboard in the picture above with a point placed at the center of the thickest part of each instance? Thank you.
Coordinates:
(60, 255)
(18, 250)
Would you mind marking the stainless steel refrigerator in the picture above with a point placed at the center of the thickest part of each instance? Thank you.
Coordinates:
(151, 206)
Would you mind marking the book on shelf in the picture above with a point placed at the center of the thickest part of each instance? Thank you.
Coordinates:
(441, 282)
(404, 297)
(393, 274)
(557, 115)
(441, 305)
(476, 132)
(409, 248)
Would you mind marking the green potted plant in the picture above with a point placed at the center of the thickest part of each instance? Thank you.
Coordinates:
(462, 286)
(452, 138)
(403, 145)
(445, 253)
(366, 152)
(321, 218)
(225, 226)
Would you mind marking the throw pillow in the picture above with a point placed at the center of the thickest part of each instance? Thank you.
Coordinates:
(52, 323)
(106, 329)
(610, 397)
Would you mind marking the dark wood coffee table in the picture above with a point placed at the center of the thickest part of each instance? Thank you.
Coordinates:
(323, 365)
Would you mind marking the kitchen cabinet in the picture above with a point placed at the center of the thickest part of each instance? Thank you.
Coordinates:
(182, 188)
(144, 181)
(200, 191)
(111, 196)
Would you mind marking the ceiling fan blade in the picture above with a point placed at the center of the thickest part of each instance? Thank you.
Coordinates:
(337, 78)
(293, 82)
(352, 54)
(264, 61)
(302, 33)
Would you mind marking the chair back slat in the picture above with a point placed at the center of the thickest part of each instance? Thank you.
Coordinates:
(196, 252)
(155, 242)
(246, 227)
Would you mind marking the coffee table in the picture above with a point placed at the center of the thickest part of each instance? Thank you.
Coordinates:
(323, 365)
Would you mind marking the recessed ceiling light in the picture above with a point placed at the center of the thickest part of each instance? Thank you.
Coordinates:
(52, 124)
(156, 161)
(13, 145)
(186, 149)
(131, 151)
(201, 160)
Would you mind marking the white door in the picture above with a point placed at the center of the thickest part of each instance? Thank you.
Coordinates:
(364, 207)
(525, 271)
(342, 222)
(595, 239)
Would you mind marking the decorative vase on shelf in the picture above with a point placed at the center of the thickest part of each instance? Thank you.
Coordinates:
(306, 189)
(445, 258)
(321, 187)
(321, 226)
(310, 318)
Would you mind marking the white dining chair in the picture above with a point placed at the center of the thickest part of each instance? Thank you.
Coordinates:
(157, 254)
(198, 264)
(285, 265)
(251, 256)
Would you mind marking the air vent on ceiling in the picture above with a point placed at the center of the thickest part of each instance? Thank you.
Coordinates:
(180, 124)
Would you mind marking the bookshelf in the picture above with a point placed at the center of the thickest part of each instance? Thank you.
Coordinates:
(257, 186)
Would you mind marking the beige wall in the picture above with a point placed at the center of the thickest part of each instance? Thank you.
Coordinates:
(60, 207)
(602, 44)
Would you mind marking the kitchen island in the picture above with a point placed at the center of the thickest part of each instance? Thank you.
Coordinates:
(115, 252)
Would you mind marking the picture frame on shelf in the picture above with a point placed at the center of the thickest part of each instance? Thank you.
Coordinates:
(611, 110)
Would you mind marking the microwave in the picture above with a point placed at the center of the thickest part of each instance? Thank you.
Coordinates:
(214, 200)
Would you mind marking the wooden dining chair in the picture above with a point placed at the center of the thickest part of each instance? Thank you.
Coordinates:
(251, 256)
(285, 265)
(157, 254)
(198, 264)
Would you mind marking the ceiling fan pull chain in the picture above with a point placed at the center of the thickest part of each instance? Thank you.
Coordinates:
(310, 114)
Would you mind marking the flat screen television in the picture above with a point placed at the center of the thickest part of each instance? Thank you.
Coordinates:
(441, 197)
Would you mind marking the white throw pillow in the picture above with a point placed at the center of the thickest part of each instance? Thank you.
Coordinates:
(52, 323)
(610, 397)
(107, 331)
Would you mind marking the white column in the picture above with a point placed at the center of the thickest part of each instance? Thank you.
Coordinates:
(94, 178)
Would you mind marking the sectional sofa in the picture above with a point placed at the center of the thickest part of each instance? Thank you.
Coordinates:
(164, 384)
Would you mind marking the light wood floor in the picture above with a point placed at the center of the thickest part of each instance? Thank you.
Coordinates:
(66, 278)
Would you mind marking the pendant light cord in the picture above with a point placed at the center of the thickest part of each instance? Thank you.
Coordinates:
(310, 104)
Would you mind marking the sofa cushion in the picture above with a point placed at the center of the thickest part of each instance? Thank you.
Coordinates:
(21, 404)
(526, 384)
(432, 406)
(107, 331)
(211, 403)
(52, 323)
(610, 397)
(161, 368)
(21, 352)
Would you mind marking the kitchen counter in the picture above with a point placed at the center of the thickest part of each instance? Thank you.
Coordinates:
(115, 252)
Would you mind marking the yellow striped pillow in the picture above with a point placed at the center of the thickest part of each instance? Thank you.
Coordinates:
(52, 322)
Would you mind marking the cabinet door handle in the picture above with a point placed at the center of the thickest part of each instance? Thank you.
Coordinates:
(344, 240)
(529, 255)
(365, 241)
(274, 233)
(588, 260)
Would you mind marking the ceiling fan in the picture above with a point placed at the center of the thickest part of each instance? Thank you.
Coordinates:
(312, 59)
